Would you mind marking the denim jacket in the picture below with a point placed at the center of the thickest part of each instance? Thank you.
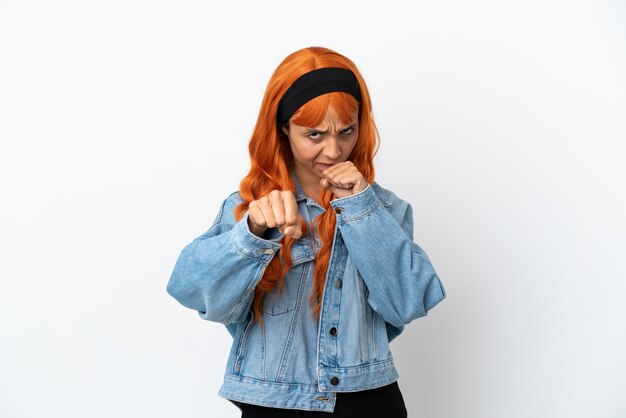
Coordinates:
(378, 281)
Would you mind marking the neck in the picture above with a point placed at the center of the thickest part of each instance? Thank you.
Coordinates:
(310, 185)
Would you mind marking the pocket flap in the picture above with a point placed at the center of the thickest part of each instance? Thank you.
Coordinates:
(301, 252)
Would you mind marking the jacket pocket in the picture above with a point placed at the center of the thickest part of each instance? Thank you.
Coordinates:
(241, 347)
(277, 302)
(378, 329)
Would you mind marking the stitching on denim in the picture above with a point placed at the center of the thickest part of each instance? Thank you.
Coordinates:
(320, 333)
(263, 367)
(373, 365)
(240, 349)
(376, 326)
(254, 257)
(218, 218)
(260, 382)
(361, 215)
(244, 298)
(290, 307)
(282, 370)
(221, 213)
(301, 404)
(380, 194)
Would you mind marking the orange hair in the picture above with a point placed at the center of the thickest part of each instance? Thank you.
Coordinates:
(269, 172)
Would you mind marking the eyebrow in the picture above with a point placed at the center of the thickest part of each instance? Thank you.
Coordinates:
(352, 125)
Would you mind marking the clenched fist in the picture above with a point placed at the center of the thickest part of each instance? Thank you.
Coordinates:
(343, 179)
(277, 209)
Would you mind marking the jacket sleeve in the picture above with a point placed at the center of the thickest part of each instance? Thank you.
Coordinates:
(402, 283)
(217, 272)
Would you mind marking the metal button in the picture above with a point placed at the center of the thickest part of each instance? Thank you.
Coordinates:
(338, 210)
(338, 283)
(333, 331)
(334, 381)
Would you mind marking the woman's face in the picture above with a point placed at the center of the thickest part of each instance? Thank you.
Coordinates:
(316, 148)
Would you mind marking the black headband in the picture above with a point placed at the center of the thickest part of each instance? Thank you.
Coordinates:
(313, 84)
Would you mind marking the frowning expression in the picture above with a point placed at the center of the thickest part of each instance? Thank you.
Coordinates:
(316, 148)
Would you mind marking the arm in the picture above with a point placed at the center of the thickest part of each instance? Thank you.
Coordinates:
(401, 281)
(217, 272)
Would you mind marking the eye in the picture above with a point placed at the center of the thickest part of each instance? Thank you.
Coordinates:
(348, 131)
(314, 135)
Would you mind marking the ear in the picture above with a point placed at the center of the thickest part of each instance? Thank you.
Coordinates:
(286, 131)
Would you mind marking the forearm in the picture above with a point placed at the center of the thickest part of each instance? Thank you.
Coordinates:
(401, 280)
(216, 275)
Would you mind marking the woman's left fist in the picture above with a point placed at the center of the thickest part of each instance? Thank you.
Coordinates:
(343, 179)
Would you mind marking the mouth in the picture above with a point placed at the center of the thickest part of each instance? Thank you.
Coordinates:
(324, 166)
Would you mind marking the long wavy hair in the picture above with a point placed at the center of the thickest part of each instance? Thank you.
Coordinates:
(272, 161)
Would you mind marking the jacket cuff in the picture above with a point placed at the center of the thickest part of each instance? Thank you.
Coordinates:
(357, 206)
(253, 246)
(273, 234)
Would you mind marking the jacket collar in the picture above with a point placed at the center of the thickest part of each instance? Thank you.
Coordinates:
(299, 192)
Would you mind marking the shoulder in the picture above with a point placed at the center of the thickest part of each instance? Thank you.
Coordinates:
(233, 199)
(226, 213)
(388, 198)
(399, 209)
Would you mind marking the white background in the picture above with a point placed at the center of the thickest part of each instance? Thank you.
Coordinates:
(124, 124)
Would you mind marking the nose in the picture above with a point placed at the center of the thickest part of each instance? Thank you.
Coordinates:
(332, 150)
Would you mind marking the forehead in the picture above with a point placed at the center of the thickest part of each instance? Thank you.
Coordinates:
(333, 120)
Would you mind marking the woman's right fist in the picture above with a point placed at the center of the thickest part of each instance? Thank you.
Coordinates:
(277, 209)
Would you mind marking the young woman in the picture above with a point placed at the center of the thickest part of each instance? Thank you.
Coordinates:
(311, 264)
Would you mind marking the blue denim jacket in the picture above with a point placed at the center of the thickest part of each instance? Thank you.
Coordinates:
(378, 281)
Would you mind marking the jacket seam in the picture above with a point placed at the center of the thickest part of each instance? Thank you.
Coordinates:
(294, 320)
(250, 256)
(360, 216)
(246, 294)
